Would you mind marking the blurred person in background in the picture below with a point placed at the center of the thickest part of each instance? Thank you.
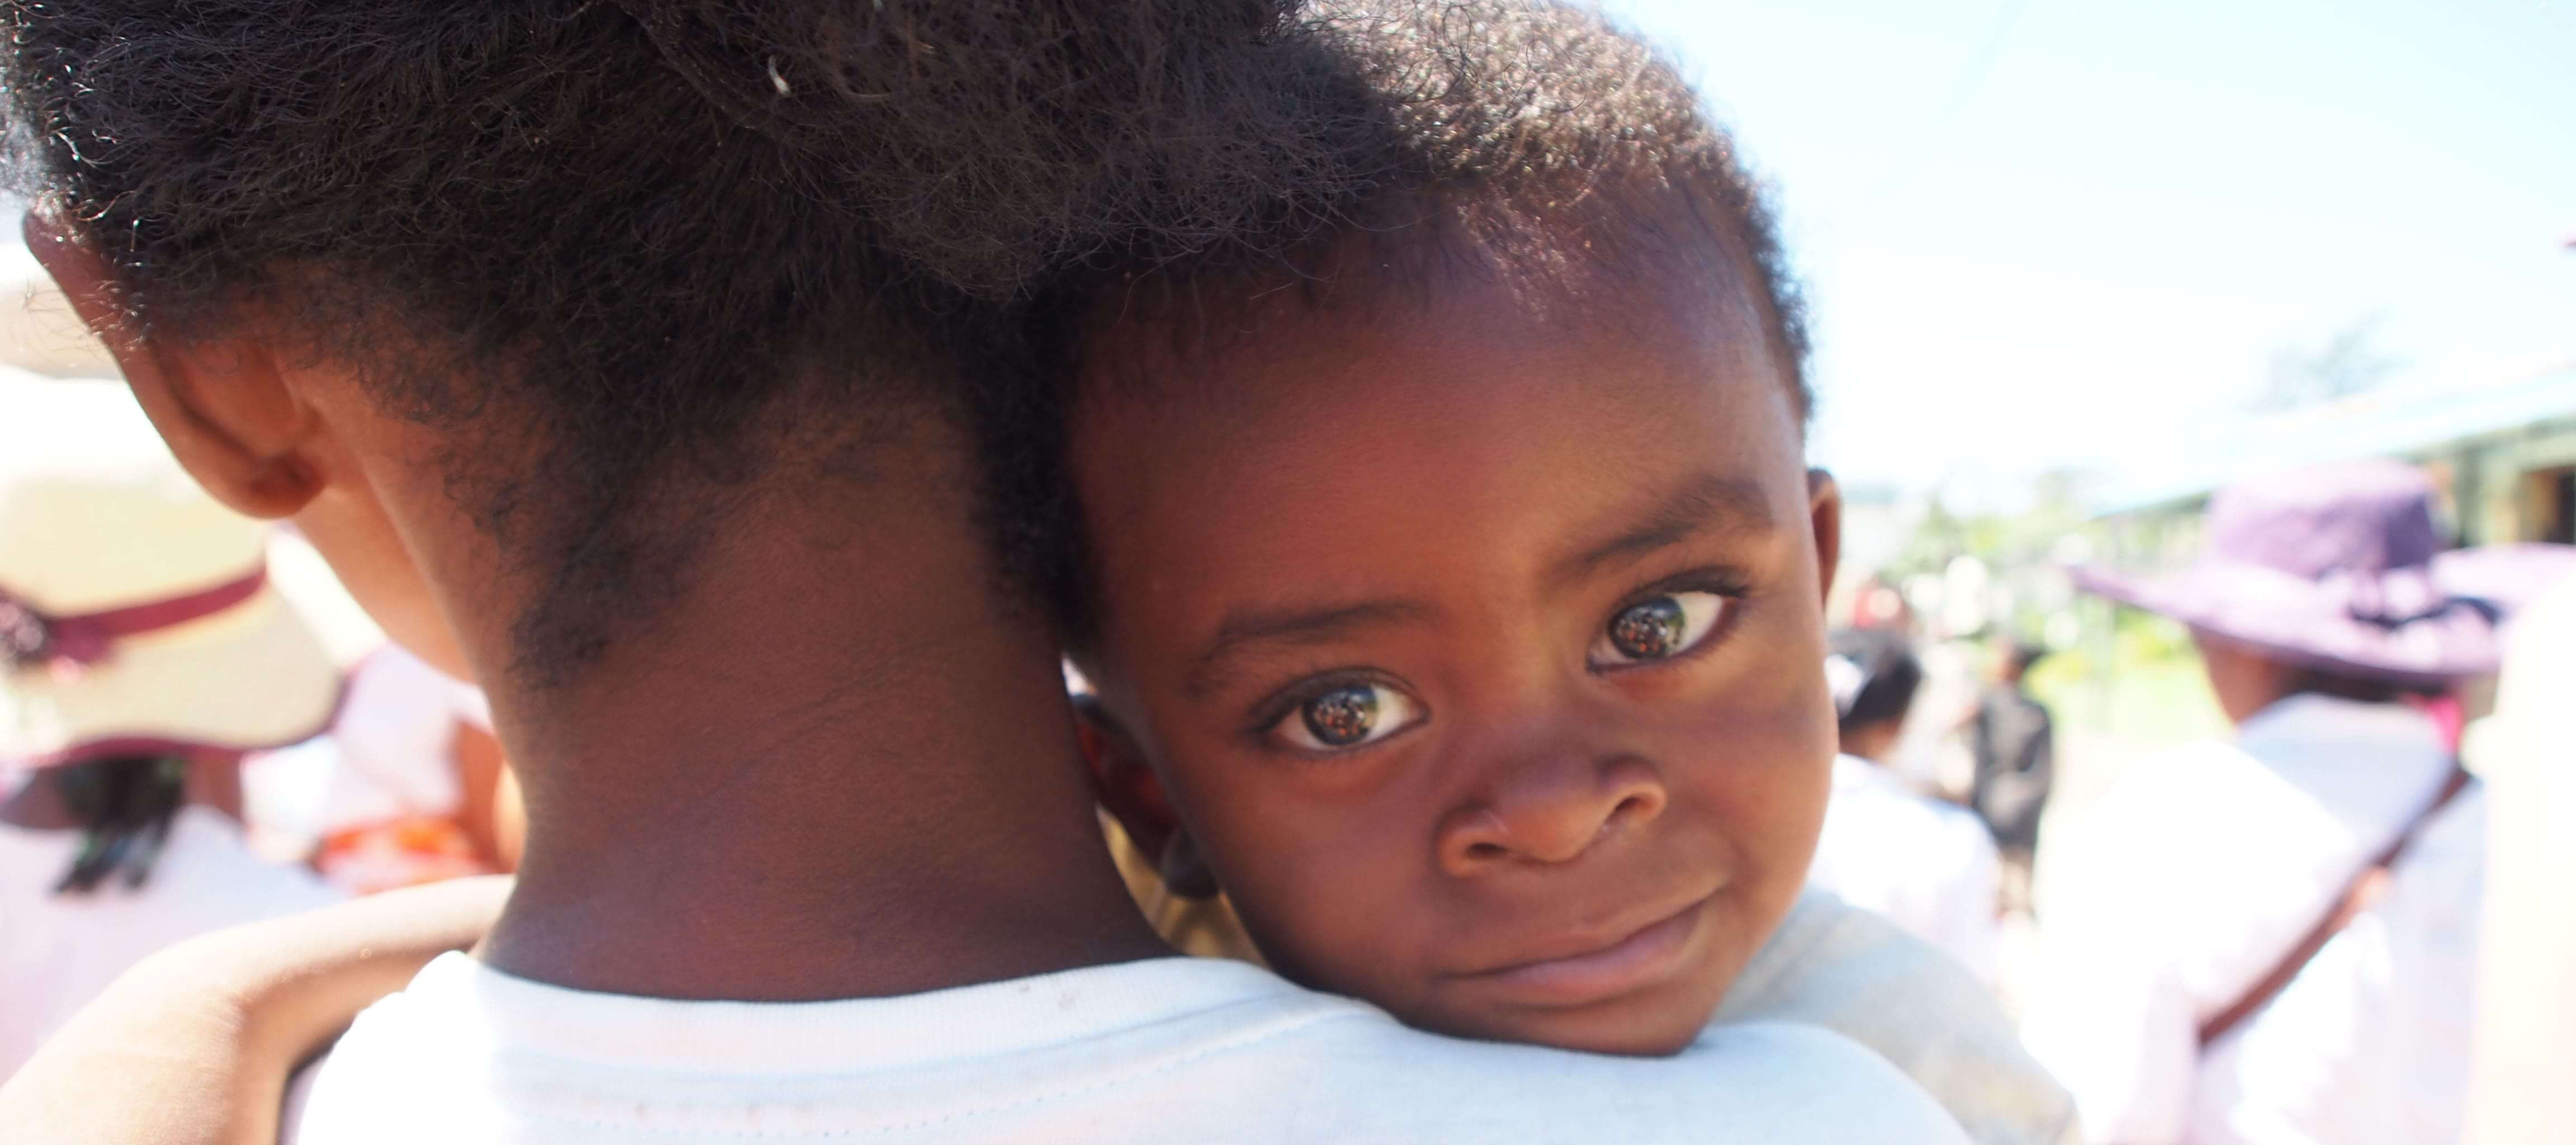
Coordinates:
(1926, 864)
(2274, 937)
(2015, 749)
(145, 655)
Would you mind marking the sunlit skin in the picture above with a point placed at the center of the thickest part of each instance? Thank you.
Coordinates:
(1474, 642)
(2244, 680)
(812, 714)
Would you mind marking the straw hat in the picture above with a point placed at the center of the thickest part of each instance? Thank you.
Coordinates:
(135, 612)
(2340, 567)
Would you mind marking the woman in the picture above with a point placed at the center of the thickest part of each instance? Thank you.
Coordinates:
(145, 654)
(2273, 937)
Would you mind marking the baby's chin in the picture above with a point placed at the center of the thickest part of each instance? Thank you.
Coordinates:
(1657, 1023)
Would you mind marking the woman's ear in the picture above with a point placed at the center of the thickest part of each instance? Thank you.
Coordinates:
(1128, 789)
(220, 403)
(1825, 515)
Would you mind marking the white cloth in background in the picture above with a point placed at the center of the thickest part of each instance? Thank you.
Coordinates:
(1180, 1050)
(396, 738)
(1855, 973)
(2526, 1028)
(2193, 879)
(1927, 865)
(59, 951)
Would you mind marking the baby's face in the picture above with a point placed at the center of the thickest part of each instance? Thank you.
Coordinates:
(1478, 653)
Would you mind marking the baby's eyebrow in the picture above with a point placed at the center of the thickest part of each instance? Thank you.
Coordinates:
(1707, 502)
(1296, 624)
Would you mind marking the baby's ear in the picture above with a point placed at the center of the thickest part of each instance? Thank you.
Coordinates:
(1825, 514)
(1127, 788)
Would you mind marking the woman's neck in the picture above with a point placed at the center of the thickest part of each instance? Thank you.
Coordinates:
(836, 772)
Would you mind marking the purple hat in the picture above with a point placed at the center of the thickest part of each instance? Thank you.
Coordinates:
(2340, 567)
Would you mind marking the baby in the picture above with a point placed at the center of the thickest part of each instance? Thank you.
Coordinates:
(1454, 599)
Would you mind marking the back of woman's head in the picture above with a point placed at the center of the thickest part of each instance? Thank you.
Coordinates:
(644, 225)
(1873, 676)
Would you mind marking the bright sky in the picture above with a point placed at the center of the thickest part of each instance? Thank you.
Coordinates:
(2041, 232)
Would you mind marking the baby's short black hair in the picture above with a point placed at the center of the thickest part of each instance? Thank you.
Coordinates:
(1514, 141)
(645, 225)
(1537, 137)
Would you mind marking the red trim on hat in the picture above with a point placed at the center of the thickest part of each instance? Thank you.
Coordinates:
(85, 638)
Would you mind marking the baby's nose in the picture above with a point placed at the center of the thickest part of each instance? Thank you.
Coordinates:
(1550, 814)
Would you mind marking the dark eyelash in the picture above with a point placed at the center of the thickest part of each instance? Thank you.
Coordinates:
(1722, 580)
(1267, 714)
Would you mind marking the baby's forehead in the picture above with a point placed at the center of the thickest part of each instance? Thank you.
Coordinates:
(1308, 432)
(1235, 353)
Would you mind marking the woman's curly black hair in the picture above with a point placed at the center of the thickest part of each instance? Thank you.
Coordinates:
(638, 225)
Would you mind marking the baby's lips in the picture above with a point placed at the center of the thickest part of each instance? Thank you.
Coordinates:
(1584, 968)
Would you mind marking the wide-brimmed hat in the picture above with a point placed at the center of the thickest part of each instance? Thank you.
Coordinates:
(135, 613)
(2341, 567)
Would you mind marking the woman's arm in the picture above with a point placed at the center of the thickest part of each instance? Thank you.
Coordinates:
(195, 1044)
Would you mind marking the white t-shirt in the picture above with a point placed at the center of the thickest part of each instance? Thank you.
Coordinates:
(1180, 1050)
(2200, 870)
(58, 951)
(1855, 973)
(1928, 866)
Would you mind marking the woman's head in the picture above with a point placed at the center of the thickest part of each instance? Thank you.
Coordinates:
(1463, 595)
(2334, 579)
(584, 278)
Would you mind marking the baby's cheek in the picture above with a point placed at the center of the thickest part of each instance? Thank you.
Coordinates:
(1325, 907)
(1764, 771)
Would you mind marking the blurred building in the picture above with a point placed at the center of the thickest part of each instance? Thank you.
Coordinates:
(2503, 453)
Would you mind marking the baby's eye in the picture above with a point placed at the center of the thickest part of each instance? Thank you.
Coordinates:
(1346, 717)
(1658, 628)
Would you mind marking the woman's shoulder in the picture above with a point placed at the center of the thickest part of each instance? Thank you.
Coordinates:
(1766, 1081)
(1844, 969)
